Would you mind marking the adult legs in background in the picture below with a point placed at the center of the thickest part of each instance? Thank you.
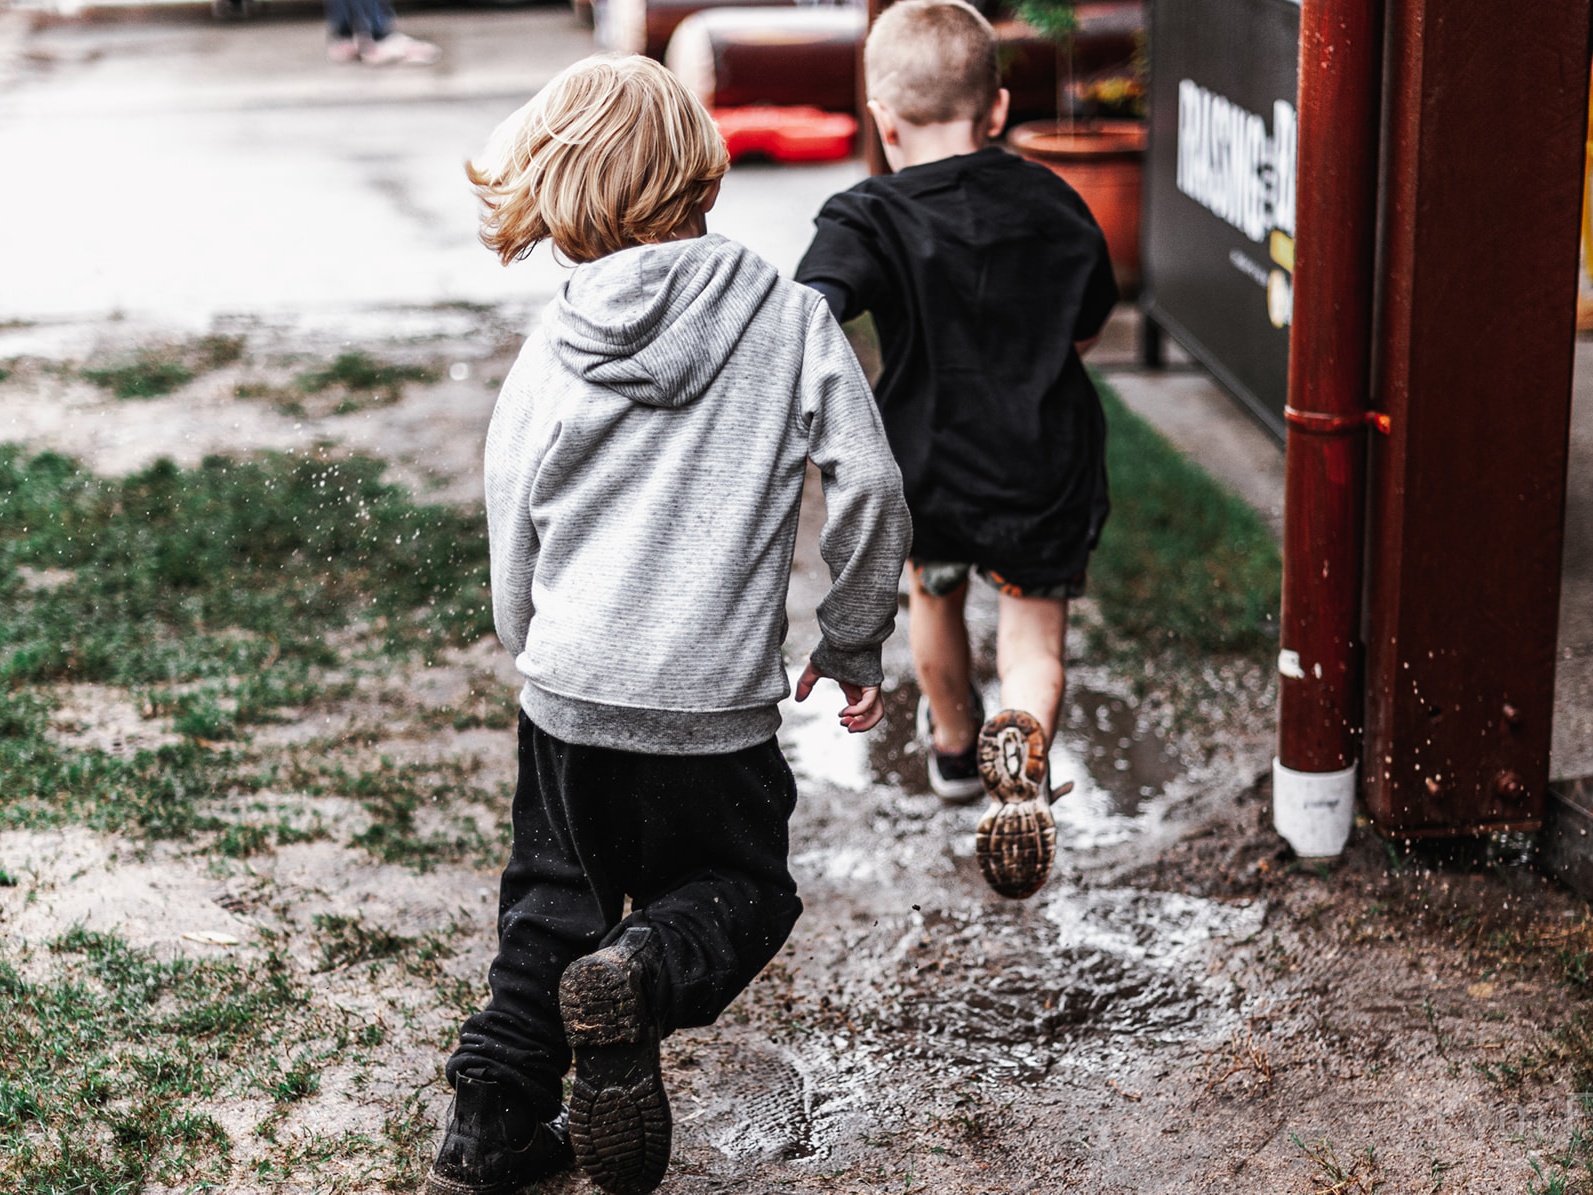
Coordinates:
(363, 30)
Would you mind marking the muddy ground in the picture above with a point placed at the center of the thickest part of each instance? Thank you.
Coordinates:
(1183, 1008)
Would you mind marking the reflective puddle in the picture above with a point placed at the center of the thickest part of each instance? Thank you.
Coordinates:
(1117, 764)
(934, 971)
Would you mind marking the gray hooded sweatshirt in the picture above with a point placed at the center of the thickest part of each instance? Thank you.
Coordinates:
(644, 470)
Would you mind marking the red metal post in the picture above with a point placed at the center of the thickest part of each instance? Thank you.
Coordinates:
(1319, 705)
(1487, 116)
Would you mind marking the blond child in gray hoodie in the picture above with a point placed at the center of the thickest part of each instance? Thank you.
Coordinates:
(644, 469)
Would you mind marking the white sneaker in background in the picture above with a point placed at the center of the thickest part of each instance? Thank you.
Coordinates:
(399, 49)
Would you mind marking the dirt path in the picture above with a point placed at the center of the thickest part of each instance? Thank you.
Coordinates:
(1180, 1009)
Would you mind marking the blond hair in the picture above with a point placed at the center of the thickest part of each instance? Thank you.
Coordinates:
(932, 61)
(613, 152)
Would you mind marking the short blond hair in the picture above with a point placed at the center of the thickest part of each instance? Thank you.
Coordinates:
(613, 152)
(932, 61)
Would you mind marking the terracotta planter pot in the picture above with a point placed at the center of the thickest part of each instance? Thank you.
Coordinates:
(1103, 162)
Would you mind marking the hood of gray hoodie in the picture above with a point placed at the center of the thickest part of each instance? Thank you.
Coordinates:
(656, 323)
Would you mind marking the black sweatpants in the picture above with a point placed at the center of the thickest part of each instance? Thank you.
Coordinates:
(699, 844)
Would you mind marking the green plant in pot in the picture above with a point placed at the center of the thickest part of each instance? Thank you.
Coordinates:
(1097, 141)
(1056, 21)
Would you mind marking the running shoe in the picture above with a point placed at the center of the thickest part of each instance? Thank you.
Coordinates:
(953, 776)
(1016, 840)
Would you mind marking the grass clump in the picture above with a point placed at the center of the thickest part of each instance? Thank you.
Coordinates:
(147, 375)
(363, 380)
(348, 940)
(111, 1062)
(215, 594)
(106, 1065)
(151, 373)
(397, 795)
(1183, 564)
(188, 574)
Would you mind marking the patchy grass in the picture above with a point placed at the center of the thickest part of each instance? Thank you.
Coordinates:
(1244, 1062)
(222, 570)
(220, 596)
(1361, 1175)
(105, 1068)
(363, 381)
(114, 1064)
(406, 803)
(285, 399)
(153, 372)
(1183, 563)
(1565, 1171)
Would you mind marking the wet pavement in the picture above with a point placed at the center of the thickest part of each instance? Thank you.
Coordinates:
(235, 171)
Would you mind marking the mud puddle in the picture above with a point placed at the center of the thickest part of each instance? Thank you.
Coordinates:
(1014, 991)
(931, 972)
(1118, 765)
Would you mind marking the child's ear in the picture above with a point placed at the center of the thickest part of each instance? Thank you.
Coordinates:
(885, 122)
(997, 120)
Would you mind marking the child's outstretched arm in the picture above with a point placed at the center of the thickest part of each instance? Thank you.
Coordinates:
(843, 262)
(866, 527)
(863, 708)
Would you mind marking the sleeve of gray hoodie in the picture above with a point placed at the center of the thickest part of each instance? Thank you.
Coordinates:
(867, 530)
(509, 468)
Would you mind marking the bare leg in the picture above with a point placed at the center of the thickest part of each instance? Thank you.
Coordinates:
(939, 638)
(1031, 638)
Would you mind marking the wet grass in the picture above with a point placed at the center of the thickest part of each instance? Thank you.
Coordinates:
(420, 813)
(219, 597)
(351, 382)
(153, 372)
(114, 1064)
(1183, 564)
(362, 381)
(222, 570)
(106, 1067)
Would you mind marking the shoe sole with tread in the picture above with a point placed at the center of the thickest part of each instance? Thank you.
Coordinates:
(1015, 843)
(620, 1124)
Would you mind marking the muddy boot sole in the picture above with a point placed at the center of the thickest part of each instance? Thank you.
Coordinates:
(619, 1115)
(1012, 760)
(1015, 843)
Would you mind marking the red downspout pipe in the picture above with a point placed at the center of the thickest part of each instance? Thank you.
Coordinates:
(1320, 698)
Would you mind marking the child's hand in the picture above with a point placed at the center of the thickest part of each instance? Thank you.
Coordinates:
(864, 708)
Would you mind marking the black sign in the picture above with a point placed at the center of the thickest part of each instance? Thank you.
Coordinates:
(1219, 187)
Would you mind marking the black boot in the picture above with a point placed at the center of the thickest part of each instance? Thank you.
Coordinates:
(619, 1115)
(492, 1146)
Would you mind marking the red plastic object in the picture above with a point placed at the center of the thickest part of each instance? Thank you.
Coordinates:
(786, 134)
